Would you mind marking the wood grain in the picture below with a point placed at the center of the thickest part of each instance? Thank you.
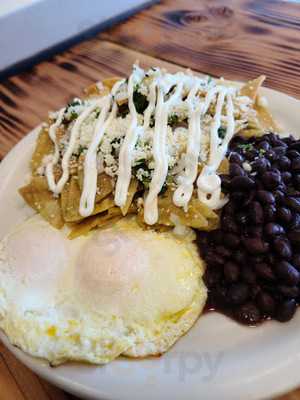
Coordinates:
(237, 39)
(26, 99)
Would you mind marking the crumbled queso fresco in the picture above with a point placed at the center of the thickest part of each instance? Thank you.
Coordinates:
(177, 131)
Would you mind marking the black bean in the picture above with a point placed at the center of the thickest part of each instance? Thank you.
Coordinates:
(216, 236)
(236, 170)
(278, 195)
(289, 291)
(288, 140)
(271, 258)
(261, 165)
(231, 240)
(248, 314)
(265, 197)
(295, 145)
(241, 218)
(212, 276)
(252, 154)
(292, 154)
(271, 155)
(293, 203)
(229, 225)
(264, 145)
(265, 303)
(256, 259)
(219, 295)
(271, 179)
(287, 272)
(256, 213)
(255, 230)
(283, 248)
(229, 208)
(284, 163)
(286, 176)
(265, 271)
(280, 150)
(273, 229)
(238, 197)
(223, 251)
(225, 182)
(212, 258)
(255, 245)
(235, 157)
(291, 191)
(296, 164)
(231, 271)
(239, 256)
(294, 236)
(286, 310)
(248, 275)
(295, 222)
(270, 213)
(238, 293)
(284, 214)
(296, 260)
(242, 183)
(296, 181)
(275, 140)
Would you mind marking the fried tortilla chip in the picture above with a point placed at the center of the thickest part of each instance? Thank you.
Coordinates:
(265, 120)
(96, 90)
(224, 166)
(37, 196)
(105, 185)
(44, 146)
(251, 88)
(70, 200)
(198, 215)
(133, 187)
(110, 82)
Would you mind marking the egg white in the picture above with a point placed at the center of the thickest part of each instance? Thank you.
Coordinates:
(120, 290)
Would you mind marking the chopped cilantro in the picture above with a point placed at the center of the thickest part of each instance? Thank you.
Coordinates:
(173, 119)
(140, 101)
(73, 103)
(81, 149)
(222, 132)
(97, 112)
(123, 110)
(246, 146)
(70, 114)
(145, 177)
(262, 152)
(152, 121)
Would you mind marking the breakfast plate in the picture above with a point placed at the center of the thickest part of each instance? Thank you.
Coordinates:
(217, 358)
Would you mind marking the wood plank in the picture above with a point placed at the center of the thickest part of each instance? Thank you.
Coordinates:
(26, 99)
(30, 386)
(9, 390)
(237, 39)
(25, 379)
(54, 393)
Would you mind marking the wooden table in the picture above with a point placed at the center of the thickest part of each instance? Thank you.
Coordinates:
(237, 39)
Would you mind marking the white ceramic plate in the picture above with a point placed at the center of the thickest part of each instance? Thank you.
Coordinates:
(217, 359)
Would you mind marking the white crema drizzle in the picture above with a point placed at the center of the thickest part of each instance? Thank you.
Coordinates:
(165, 91)
(87, 200)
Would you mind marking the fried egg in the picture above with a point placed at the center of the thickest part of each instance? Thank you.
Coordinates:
(119, 290)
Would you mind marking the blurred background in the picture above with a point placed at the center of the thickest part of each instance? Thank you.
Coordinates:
(29, 28)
